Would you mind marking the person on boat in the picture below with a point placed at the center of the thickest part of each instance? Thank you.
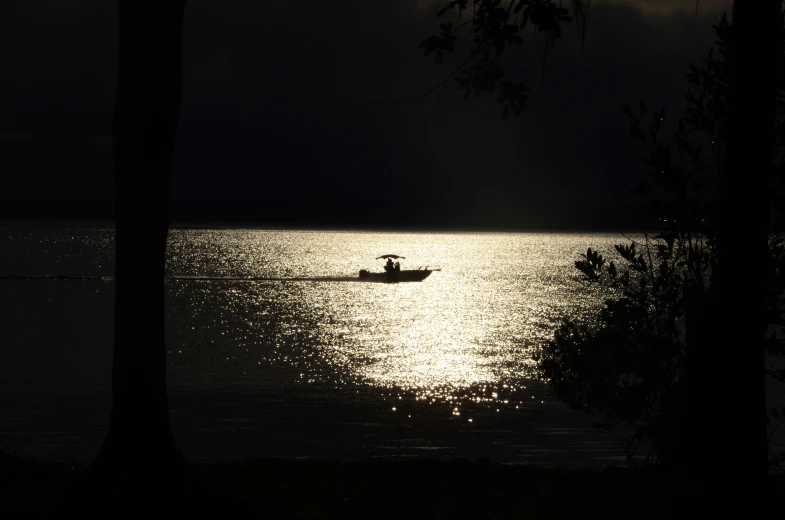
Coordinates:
(389, 266)
(397, 267)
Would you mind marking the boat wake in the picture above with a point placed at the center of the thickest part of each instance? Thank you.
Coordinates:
(380, 279)
(264, 279)
(16, 276)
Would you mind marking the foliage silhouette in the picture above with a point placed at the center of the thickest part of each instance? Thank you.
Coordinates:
(630, 366)
(735, 296)
(493, 28)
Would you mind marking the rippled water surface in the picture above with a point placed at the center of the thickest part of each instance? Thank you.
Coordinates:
(459, 342)
(474, 322)
(277, 349)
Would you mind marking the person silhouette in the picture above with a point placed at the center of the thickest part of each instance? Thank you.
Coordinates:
(389, 266)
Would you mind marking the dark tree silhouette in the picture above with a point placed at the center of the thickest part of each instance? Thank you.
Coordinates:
(630, 365)
(139, 451)
(745, 203)
(725, 355)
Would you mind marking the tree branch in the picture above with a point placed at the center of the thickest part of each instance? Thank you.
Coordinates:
(417, 99)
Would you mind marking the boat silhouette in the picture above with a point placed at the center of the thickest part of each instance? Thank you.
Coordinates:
(393, 272)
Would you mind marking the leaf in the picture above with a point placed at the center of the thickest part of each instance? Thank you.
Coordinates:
(526, 15)
(462, 4)
(587, 269)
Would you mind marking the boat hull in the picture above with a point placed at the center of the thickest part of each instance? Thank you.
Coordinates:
(413, 275)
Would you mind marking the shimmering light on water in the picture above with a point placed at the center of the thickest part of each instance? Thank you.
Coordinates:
(275, 348)
(466, 332)
(465, 335)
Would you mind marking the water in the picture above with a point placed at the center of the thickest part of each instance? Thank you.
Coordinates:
(303, 359)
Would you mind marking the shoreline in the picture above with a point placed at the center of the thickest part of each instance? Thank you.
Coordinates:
(421, 488)
(309, 424)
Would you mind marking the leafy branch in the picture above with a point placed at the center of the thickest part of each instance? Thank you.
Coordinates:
(493, 28)
(630, 363)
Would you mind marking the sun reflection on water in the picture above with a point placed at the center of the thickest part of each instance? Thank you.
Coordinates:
(466, 333)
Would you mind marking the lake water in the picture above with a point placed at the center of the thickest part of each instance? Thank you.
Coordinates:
(305, 361)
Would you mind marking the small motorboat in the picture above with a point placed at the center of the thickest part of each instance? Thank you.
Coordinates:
(393, 272)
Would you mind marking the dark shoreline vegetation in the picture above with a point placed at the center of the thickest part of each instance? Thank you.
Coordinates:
(377, 488)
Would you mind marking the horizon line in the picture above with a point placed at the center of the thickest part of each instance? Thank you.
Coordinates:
(326, 227)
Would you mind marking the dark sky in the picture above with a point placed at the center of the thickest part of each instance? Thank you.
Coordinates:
(281, 122)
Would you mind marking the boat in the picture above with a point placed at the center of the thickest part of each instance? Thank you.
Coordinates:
(393, 273)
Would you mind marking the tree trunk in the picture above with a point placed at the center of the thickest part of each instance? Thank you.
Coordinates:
(139, 452)
(736, 364)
